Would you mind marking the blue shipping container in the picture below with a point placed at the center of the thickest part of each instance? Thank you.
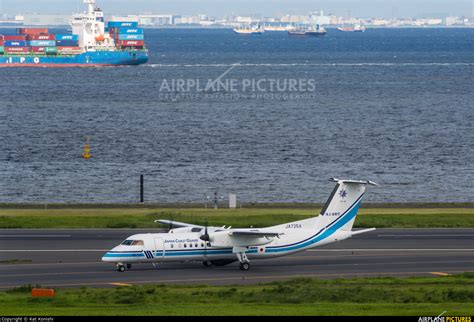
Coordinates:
(42, 43)
(15, 43)
(67, 43)
(67, 37)
(131, 31)
(131, 37)
(122, 24)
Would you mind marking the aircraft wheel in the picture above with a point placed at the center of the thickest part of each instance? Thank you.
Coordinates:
(120, 268)
(207, 263)
(129, 266)
(245, 266)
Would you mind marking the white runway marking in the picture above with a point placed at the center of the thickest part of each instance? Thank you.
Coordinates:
(52, 250)
(395, 250)
(421, 235)
(35, 236)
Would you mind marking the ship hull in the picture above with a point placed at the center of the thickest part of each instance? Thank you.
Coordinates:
(88, 59)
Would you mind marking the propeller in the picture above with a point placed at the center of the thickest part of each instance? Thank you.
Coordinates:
(205, 237)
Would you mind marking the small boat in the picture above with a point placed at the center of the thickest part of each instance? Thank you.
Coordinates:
(250, 30)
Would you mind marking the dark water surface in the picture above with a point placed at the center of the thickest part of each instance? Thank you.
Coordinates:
(393, 106)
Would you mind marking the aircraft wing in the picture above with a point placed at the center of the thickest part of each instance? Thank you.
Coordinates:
(253, 233)
(177, 224)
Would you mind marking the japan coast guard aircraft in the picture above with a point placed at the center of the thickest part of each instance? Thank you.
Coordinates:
(218, 246)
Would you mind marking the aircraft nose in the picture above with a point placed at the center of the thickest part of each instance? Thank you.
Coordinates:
(108, 257)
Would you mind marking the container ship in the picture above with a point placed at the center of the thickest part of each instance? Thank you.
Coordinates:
(91, 44)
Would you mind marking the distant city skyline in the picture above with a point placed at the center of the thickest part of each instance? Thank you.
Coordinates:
(355, 8)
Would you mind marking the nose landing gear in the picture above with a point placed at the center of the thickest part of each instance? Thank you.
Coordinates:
(121, 267)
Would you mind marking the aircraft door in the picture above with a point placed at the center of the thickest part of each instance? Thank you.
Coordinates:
(159, 248)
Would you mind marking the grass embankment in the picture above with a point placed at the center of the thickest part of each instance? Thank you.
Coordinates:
(418, 296)
(413, 217)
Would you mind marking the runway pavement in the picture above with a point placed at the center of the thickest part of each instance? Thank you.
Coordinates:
(71, 258)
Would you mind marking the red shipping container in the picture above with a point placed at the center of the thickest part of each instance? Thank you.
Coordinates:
(2, 42)
(41, 37)
(37, 49)
(14, 38)
(20, 50)
(131, 43)
(33, 31)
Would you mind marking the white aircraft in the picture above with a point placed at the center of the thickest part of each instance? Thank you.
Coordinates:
(218, 246)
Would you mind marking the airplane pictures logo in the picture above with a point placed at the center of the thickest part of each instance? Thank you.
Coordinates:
(225, 88)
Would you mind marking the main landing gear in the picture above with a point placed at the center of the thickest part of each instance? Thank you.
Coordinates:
(121, 267)
(244, 261)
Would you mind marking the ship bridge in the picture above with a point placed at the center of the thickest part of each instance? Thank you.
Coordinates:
(90, 27)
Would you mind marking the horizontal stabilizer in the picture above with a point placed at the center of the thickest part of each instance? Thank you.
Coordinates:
(368, 182)
(358, 232)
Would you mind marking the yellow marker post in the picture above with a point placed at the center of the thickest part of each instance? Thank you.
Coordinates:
(87, 150)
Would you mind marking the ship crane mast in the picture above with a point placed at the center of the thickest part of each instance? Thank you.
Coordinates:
(90, 6)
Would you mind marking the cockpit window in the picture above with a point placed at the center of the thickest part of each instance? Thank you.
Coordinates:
(130, 242)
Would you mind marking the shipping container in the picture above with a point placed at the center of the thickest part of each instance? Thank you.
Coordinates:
(42, 43)
(48, 50)
(122, 24)
(2, 42)
(66, 43)
(15, 38)
(41, 37)
(131, 37)
(38, 49)
(32, 31)
(51, 50)
(2, 49)
(130, 43)
(131, 31)
(69, 50)
(15, 43)
(17, 50)
(67, 37)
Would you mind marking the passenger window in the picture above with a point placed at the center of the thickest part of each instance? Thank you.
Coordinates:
(184, 245)
(196, 245)
(190, 245)
(172, 246)
(202, 244)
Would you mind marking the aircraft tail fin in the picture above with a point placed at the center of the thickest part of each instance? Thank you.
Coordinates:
(343, 204)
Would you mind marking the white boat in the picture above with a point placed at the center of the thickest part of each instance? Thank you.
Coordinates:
(250, 30)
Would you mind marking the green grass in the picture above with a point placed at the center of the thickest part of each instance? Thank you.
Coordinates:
(414, 217)
(418, 296)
